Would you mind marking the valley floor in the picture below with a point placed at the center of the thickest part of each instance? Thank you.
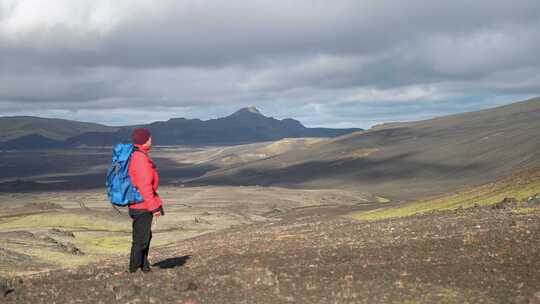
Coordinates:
(42, 231)
(473, 255)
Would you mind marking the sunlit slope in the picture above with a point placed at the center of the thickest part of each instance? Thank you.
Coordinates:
(55, 129)
(519, 187)
(408, 160)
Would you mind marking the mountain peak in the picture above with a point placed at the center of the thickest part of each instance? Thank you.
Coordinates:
(252, 110)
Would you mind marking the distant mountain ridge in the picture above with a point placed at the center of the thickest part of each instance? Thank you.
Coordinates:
(246, 125)
(16, 127)
(406, 160)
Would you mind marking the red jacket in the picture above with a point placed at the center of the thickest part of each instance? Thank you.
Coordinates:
(145, 178)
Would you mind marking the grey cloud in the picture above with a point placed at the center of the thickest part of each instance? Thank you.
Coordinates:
(228, 32)
(213, 56)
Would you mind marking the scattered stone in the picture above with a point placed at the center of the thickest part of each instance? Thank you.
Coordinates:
(254, 276)
(533, 201)
(102, 276)
(66, 247)
(187, 285)
(500, 206)
(71, 248)
(42, 206)
(198, 220)
(59, 232)
(49, 239)
(274, 212)
(506, 203)
(277, 210)
(510, 200)
(126, 292)
(192, 286)
(330, 261)
(112, 288)
(535, 299)
(5, 287)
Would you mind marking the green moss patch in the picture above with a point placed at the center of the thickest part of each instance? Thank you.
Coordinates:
(105, 244)
(63, 220)
(516, 187)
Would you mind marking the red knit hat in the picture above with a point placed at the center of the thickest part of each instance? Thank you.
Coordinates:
(140, 136)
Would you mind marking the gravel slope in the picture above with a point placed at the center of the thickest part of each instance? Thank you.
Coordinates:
(477, 255)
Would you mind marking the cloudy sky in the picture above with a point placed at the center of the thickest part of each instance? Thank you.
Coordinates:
(327, 63)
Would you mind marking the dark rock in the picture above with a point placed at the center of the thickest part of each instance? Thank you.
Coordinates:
(49, 239)
(5, 287)
(533, 200)
(112, 288)
(506, 203)
(102, 276)
(59, 232)
(192, 286)
(66, 247)
(71, 248)
(198, 220)
(510, 200)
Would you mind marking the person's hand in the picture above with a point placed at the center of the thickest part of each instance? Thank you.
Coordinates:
(154, 219)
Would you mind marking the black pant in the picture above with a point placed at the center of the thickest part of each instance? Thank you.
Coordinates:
(142, 234)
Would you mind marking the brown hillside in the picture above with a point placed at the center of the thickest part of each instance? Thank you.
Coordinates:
(409, 160)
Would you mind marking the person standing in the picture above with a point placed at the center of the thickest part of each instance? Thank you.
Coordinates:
(145, 178)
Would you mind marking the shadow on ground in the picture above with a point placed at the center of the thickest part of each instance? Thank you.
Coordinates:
(75, 172)
(172, 262)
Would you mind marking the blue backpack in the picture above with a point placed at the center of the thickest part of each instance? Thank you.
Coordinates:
(120, 190)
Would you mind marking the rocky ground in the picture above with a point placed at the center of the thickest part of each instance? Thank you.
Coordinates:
(49, 230)
(475, 255)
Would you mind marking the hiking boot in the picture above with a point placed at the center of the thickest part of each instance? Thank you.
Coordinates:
(146, 269)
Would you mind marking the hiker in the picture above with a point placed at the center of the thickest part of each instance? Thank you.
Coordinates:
(144, 177)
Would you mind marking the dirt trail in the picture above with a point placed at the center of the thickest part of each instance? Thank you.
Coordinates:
(478, 255)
